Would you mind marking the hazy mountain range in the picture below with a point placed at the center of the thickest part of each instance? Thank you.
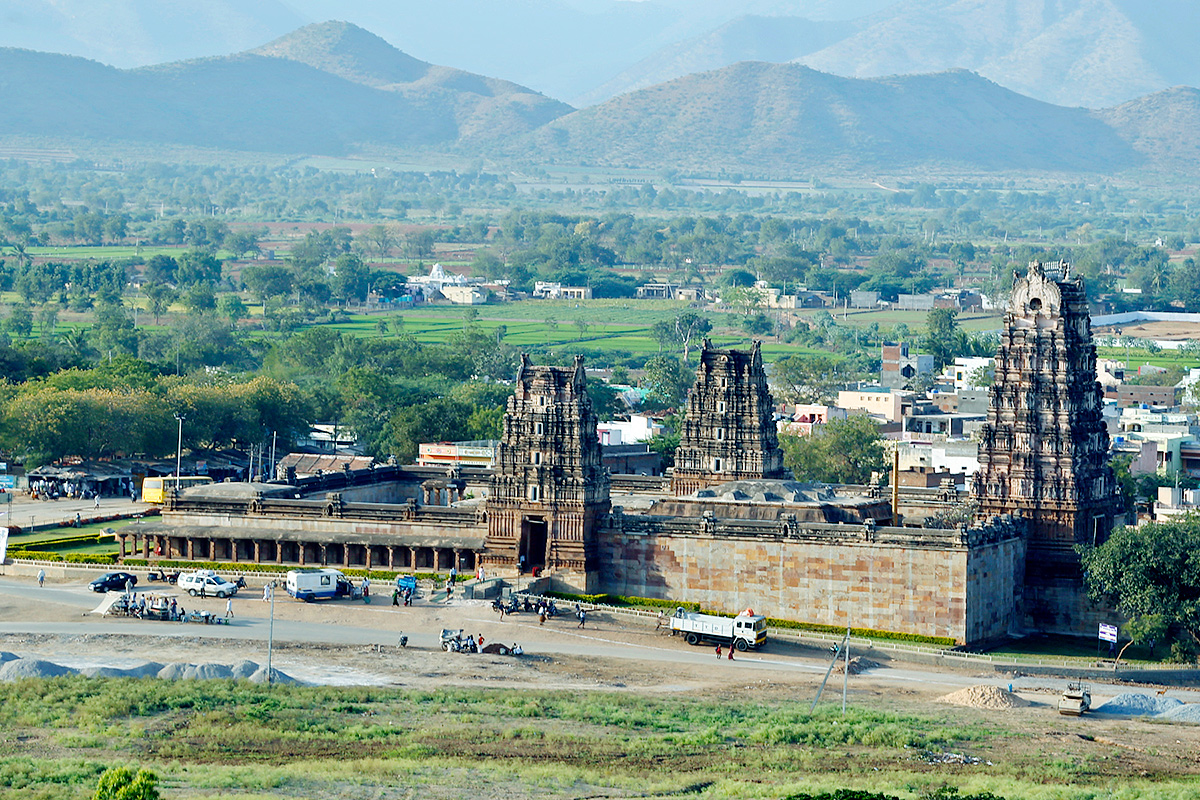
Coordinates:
(1093, 53)
(334, 88)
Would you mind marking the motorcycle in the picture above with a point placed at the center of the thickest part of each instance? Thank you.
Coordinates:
(403, 641)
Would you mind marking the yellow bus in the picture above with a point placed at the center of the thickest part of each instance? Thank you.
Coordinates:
(155, 490)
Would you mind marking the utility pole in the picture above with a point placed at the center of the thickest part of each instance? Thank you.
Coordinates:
(179, 448)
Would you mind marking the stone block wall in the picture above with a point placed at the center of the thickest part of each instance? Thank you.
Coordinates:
(965, 593)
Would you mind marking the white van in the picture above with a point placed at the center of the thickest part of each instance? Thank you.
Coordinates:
(208, 583)
(319, 584)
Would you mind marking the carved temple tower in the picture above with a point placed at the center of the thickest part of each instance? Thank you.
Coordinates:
(728, 432)
(1043, 453)
(549, 489)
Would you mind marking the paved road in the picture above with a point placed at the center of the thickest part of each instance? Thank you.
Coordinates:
(44, 512)
(382, 624)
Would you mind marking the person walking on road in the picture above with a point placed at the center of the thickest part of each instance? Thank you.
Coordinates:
(229, 608)
(582, 618)
(731, 652)
(718, 651)
(41, 578)
(97, 503)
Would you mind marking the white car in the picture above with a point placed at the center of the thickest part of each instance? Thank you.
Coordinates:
(208, 583)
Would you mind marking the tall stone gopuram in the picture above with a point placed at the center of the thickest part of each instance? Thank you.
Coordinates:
(549, 490)
(1043, 452)
(728, 432)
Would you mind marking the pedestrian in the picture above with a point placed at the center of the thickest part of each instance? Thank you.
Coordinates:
(128, 585)
(78, 520)
(266, 593)
(97, 503)
(542, 617)
(582, 618)
(481, 641)
(396, 596)
(203, 593)
(229, 608)
(521, 565)
(174, 610)
(132, 494)
(41, 578)
(453, 574)
(718, 651)
(731, 652)
(449, 591)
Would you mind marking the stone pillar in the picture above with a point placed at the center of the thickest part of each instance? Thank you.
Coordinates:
(257, 552)
(121, 539)
(233, 550)
(370, 556)
(191, 549)
(146, 547)
(455, 565)
(412, 558)
(302, 546)
(346, 556)
(391, 557)
(324, 555)
(212, 549)
(278, 552)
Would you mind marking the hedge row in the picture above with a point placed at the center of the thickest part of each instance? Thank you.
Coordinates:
(70, 541)
(620, 601)
(70, 558)
(250, 567)
(649, 602)
(867, 633)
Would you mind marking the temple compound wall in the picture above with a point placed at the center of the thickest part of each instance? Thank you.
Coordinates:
(963, 584)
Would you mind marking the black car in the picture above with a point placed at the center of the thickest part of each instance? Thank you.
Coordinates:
(112, 581)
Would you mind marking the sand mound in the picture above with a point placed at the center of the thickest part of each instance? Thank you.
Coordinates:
(244, 669)
(32, 668)
(173, 672)
(1138, 705)
(260, 676)
(207, 672)
(984, 696)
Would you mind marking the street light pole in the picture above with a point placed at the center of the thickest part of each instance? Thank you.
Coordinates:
(179, 449)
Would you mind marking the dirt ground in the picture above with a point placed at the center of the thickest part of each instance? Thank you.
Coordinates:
(622, 654)
(1170, 331)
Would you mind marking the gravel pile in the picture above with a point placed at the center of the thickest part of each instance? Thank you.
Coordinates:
(14, 668)
(1139, 705)
(1185, 712)
(31, 668)
(984, 696)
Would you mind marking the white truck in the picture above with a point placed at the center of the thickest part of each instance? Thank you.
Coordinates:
(319, 584)
(745, 631)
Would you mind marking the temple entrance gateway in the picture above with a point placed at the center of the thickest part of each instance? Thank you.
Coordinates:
(533, 543)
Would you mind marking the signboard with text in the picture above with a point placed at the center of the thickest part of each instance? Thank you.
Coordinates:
(1108, 632)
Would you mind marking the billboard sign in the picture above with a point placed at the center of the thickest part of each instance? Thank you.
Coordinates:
(1108, 633)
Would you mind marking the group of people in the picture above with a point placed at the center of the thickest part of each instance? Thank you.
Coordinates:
(52, 490)
(405, 594)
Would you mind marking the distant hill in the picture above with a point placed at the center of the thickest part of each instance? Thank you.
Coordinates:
(134, 33)
(780, 118)
(1094, 53)
(1162, 127)
(326, 88)
(747, 38)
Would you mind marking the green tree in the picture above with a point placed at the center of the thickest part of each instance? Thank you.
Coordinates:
(200, 298)
(197, 266)
(20, 320)
(352, 278)
(121, 783)
(1150, 570)
(941, 335)
(268, 280)
(438, 420)
(667, 380)
(840, 451)
(807, 379)
(160, 269)
(161, 297)
(233, 307)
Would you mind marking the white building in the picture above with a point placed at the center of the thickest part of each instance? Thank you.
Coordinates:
(639, 428)
(966, 370)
